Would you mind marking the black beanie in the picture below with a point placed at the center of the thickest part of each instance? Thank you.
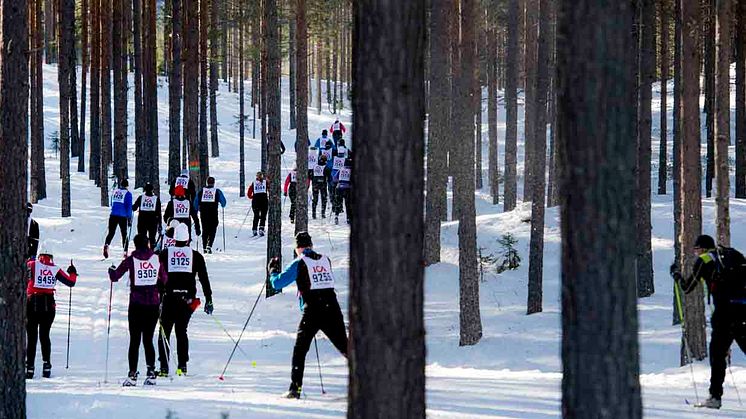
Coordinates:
(705, 242)
(303, 239)
(141, 242)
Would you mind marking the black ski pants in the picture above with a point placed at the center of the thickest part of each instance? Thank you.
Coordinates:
(148, 227)
(40, 313)
(731, 328)
(327, 317)
(292, 193)
(175, 314)
(142, 321)
(319, 188)
(209, 229)
(114, 222)
(259, 205)
(343, 195)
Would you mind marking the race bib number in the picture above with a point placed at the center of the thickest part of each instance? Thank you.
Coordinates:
(339, 163)
(148, 203)
(327, 153)
(118, 196)
(336, 126)
(180, 259)
(260, 187)
(181, 181)
(45, 276)
(342, 151)
(319, 273)
(208, 195)
(313, 157)
(146, 271)
(345, 174)
(318, 171)
(181, 209)
(169, 242)
(293, 176)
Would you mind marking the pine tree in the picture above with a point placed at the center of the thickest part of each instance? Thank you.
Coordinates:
(94, 155)
(664, 66)
(708, 27)
(191, 88)
(141, 156)
(119, 69)
(66, 60)
(104, 32)
(511, 107)
(493, 167)
(83, 83)
(175, 93)
(150, 94)
(241, 105)
(204, 165)
(301, 116)
(38, 187)
(529, 129)
(214, 82)
(722, 119)
(740, 48)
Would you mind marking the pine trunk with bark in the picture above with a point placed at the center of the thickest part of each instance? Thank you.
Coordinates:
(214, 81)
(675, 148)
(664, 66)
(387, 351)
(709, 63)
(511, 107)
(293, 69)
(722, 120)
(66, 66)
(274, 126)
(83, 83)
(204, 163)
(105, 91)
(493, 167)
(301, 116)
(529, 129)
(241, 108)
(94, 155)
(191, 88)
(150, 94)
(175, 94)
(317, 61)
(595, 124)
(119, 69)
(140, 140)
(740, 49)
(38, 187)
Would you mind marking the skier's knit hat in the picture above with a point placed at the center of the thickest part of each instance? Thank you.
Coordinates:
(303, 239)
(181, 233)
(179, 191)
(124, 183)
(210, 181)
(148, 188)
(141, 242)
(705, 242)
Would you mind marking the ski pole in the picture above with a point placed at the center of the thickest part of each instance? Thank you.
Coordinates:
(243, 223)
(222, 374)
(318, 362)
(733, 379)
(108, 332)
(686, 341)
(69, 316)
(220, 324)
(223, 208)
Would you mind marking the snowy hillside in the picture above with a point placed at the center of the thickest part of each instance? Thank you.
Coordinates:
(514, 372)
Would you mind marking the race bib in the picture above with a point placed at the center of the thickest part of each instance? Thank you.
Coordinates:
(260, 187)
(148, 203)
(327, 153)
(146, 271)
(319, 273)
(208, 194)
(313, 157)
(342, 151)
(339, 162)
(118, 196)
(182, 181)
(181, 208)
(345, 174)
(180, 259)
(45, 276)
(336, 126)
(293, 176)
(318, 171)
(168, 242)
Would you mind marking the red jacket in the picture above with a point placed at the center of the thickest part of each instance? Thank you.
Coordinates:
(341, 127)
(59, 275)
(289, 180)
(250, 191)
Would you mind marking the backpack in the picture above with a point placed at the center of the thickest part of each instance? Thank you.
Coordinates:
(730, 274)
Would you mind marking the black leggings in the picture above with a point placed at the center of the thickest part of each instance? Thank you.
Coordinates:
(40, 313)
(319, 188)
(148, 229)
(142, 321)
(259, 206)
(175, 314)
(209, 229)
(114, 221)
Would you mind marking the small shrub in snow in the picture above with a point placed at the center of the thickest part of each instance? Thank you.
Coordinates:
(506, 259)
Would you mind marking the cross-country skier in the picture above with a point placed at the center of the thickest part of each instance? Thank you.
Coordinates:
(147, 282)
(206, 203)
(42, 276)
(121, 215)
(182, 265)
(168, 235)
(257, 193)
(338, 129)
(721, 270)
(33, 233)
(289, 189)
(322, 141)
(188, 184)
(344, 191)
(342, 150)
(180, 208)
(149, 219)
(312, 272)
(321, 173)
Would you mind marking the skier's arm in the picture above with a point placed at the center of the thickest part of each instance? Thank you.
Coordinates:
(287, 184)
(68, 278)
(123, 268)
(136, 205)
(204, 280)
(169, 214)
(195, 204)
(700, 271)
(221, 198)
(280, 280)
(342, 127)
(128, 205)
(250, 191)
(33, 239)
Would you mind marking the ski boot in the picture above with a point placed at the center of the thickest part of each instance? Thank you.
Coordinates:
(261, 231)
(292, 393)
(181, 371)
(150, 380)
(711, 403)
(131, 380)
(163, 372)
(106, 251)
(29, 373)
(253, 233)
(208, 250)
(46, 371)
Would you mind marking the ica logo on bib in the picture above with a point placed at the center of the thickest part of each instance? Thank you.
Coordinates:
(180, 259)
(146, 271)
(45, 276)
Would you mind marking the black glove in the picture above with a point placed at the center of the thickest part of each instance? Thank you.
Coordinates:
(71, 270)
(674, 271)
(208, 306)
(274, 265)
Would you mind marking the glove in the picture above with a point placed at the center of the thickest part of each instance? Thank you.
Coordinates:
(274, 265)
(71, 269)
(674, 271)
(209, 307)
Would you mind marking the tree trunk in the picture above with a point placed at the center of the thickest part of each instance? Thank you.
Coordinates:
(493, 167)
(722, 120)
(676, 146)
(241, 107)
(709, 57)
(66, 60)
(477, 103)
(553, 187)
(214, 82)
(301, 116)
(175, 94)
(83, 83)
(224, 39)
(14, 91)
(532, 25)
(536, 253)
(167, 14)
(317, 59)
(119, 68)
(292, 67)
(50, 31)
(105, 90)
(387, 351)
(204, 163)
(38, 176)
(664, 65)
(191, 88)
(274, 126)
(334, 55)
(511, 108)
(595, 124)
(94, 155)
(150, 98)
(690, 168)
(140, 140)
(740, 39)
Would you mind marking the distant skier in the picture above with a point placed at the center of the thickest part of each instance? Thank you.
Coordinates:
(290, 189)
(322, 141)
(321, 174)
(42, 277)
(149, 219)
(257, 193)
(343, 181)
(206, 203)
(342, 150)
(33, 233)
(180, 208)
(186, 182)
(147, 281)
(722, 269)
(121, 215)
(338, 129)
(180, 300)
(312, 272)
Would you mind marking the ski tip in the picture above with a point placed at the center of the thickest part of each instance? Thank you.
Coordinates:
(221, 378)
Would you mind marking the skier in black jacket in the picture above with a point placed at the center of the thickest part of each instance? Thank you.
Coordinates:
(149, 219)
(33, 233)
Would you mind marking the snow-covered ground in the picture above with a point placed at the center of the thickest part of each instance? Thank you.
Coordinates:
(514, 372)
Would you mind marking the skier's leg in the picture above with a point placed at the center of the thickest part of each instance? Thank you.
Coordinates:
(32, 333)
(719, 345)
(134, 318)
(348, 204)
(123, 230)
(263, 219)
(149, 320)
(111, 229)
(164, 337)
(334, 328)
(152, 229)
(45, 325)
(306, 331)
(315, 191)
(183, 314)
(257, 215)
(324, 198)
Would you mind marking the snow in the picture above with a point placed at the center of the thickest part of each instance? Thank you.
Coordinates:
(514, 372)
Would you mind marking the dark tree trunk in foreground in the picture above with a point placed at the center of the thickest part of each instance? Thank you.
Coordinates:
(38, 187)
(214, 82)
(740, 39)
(119, 65)
(664, 66)
(708, 24)
(241, 108)
(204, 163)
(493, 167)
(722, 120)
(511, 107)
(274, 126)
(66, 67)
(301, 116)
(191, 88)
(14, 80)
(94, 155)
(150, 94)
(140, 140)
(595, 124)
(174, 94)
(105, 90)
(676, 146)
(387, 351)
(83, 83)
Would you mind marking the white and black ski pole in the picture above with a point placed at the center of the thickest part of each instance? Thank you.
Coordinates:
(69, 316)
(243, 223)
(318, 362)
(222, 374)
(108, 332)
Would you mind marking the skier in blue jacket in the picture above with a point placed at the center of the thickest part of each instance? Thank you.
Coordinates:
(121, 215)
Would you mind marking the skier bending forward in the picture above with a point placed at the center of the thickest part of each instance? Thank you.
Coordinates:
(313, 275)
